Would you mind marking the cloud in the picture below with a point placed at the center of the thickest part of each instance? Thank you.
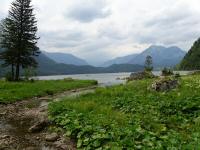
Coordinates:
(98, 30)
(88, 10)
(172, 26)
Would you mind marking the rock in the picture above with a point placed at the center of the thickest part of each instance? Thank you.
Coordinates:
(5, 137)
(30, 148)
(39, 126)
(141, 75)
(44, 99)
(3, 113)
(165, 85)
(51, 137)
(64, 147)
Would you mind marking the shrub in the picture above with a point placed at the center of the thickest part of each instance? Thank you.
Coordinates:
(68, 79)
(177, 75)
(8, 76)
(28, 73)
(167, 72)
(141, 75)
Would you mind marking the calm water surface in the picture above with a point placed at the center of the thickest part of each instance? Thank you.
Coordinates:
(104, 79)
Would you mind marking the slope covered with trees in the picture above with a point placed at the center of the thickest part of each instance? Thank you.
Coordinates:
(191, 61)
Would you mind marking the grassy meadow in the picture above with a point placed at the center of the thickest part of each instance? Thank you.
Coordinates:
(15, 91)
(132, 116)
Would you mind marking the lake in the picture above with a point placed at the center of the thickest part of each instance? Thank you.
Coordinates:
(104, 79)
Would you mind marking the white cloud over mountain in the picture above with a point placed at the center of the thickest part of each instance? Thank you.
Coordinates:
(98, 30)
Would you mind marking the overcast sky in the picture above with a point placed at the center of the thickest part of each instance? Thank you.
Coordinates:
(98, 30)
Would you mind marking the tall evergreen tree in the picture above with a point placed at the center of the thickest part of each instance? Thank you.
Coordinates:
(149, 63)
(18, 37)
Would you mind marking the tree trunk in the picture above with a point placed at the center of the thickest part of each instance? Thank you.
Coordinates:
(17, 72)
(13, 74)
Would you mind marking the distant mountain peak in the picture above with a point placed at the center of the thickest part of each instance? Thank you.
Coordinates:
(162, 56)
(66, 58)
(119, 60)
(156, 47)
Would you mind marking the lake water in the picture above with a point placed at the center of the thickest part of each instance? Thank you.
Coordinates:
(104, 79)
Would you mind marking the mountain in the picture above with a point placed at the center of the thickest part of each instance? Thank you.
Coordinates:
(123, 68)
(47, 66)
(120, 60)
(191, 61)
(66, 58)
(162, 56)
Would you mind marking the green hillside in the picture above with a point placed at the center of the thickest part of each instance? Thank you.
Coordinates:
(191, 61)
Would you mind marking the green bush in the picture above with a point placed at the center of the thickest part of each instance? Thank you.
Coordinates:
(167, 72)
(28, 73)
(9, 76)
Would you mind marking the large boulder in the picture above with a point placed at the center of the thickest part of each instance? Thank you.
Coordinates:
(141, 75)
(39, 126)
(163, 85)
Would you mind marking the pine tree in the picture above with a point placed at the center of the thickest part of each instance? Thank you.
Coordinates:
(18, 37)
(149, 63)
(191, 61)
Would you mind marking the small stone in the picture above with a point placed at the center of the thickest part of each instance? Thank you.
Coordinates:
(3, 113)
(5, 137)
(44, 98)
(52, 137)
(30, 148)
(62, 146)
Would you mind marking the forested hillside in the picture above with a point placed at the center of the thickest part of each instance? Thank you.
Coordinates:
(191, 61)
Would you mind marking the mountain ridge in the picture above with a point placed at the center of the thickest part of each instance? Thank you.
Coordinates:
(47, 66)
(119, 60)
(162, 57)
(66, 58)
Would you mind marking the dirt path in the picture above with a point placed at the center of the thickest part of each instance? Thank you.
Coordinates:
(23, 125)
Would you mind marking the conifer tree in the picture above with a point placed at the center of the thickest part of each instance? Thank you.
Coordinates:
(191, 61)
(18, 37)
(149, 63)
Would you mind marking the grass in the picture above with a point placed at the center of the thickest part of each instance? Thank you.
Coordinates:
(133, 117)
(15, 91)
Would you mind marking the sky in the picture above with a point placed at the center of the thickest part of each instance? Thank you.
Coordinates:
(99, 30)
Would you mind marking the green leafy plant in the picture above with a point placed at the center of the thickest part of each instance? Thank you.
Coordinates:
(132, 117)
